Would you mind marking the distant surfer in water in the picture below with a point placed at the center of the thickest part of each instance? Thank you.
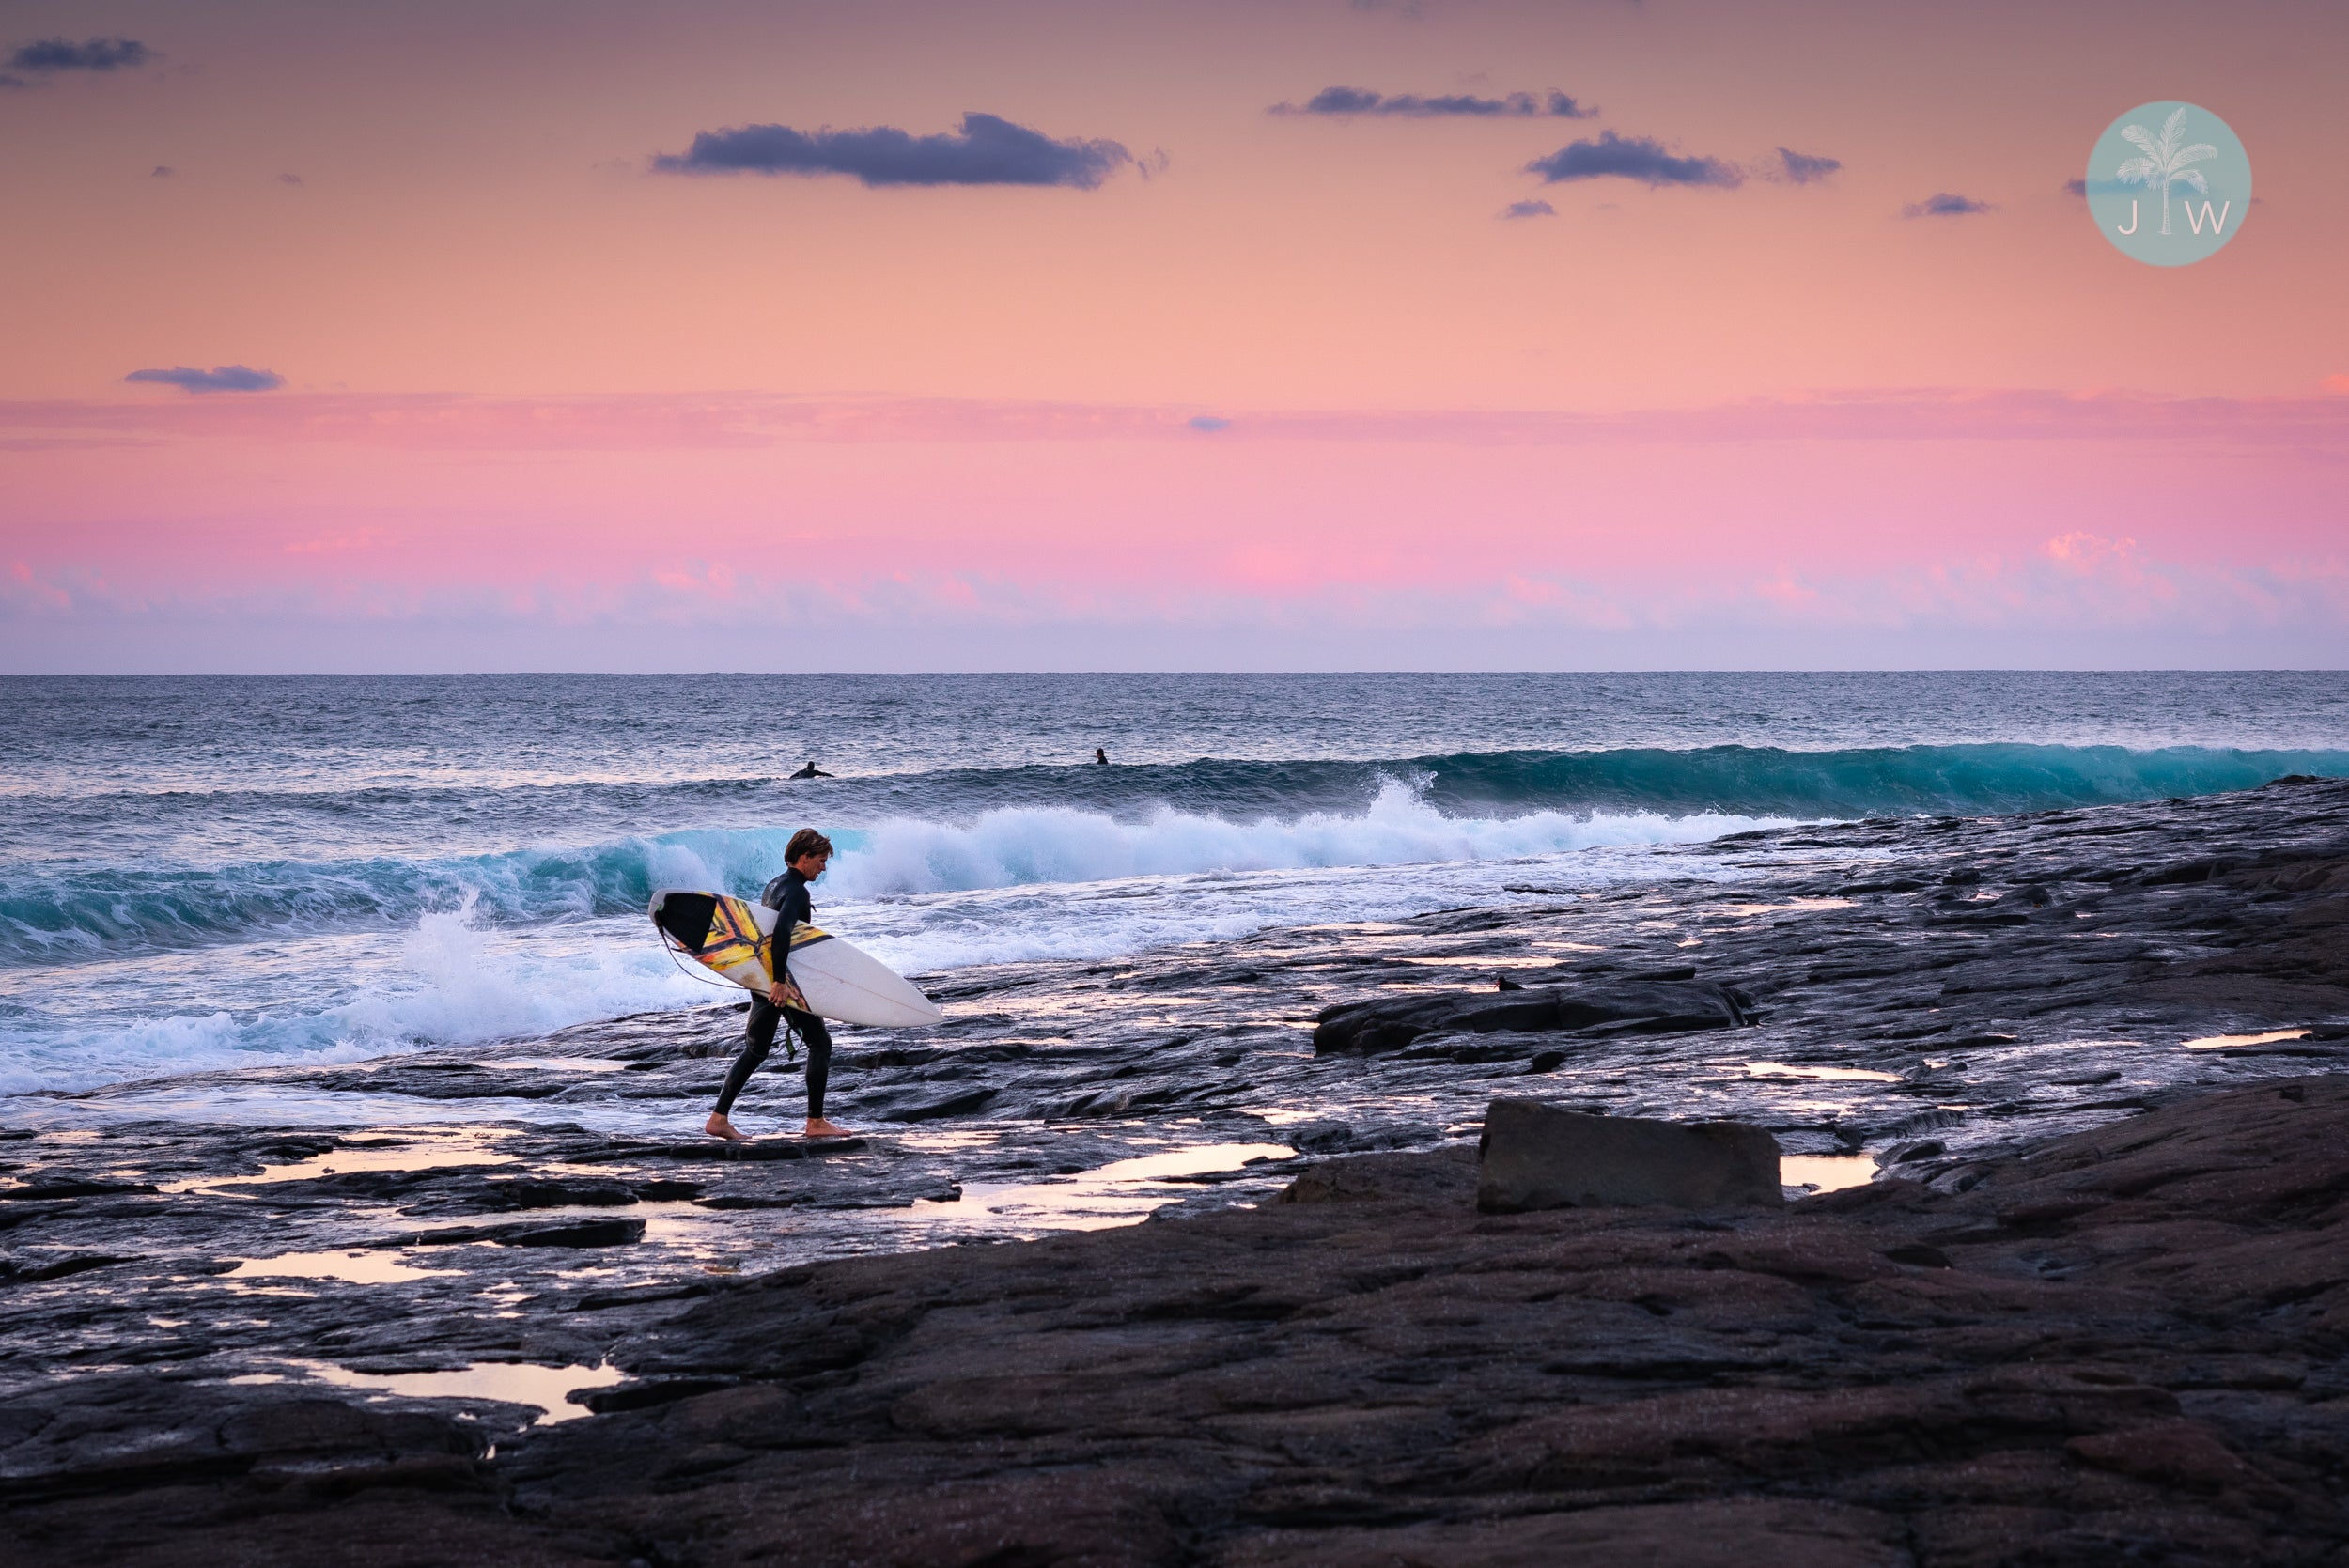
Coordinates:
(806, 855)
(1100, 756)
(811, 771)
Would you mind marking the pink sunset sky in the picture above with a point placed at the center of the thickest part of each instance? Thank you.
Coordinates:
(1570, 335)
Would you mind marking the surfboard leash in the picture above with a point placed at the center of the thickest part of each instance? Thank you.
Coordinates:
(790, 1034)
(670, 946)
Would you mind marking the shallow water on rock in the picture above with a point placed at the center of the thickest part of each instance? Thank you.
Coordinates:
(356, 1269)
(1123, 1192)
(546, 1389)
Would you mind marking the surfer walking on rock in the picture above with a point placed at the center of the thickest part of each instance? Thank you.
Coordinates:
(806, 856)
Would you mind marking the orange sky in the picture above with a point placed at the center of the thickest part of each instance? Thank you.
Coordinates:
(475, 222)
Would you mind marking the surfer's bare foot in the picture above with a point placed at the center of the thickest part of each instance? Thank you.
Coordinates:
(717, 1127)
(818, 1128)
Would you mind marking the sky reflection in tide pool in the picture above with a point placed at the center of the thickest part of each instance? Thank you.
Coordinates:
(1124, 1192)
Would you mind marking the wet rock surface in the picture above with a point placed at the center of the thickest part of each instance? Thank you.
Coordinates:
(1543, 1157)
(2125, 1344)
(1625, 1007)
(2087, 1304)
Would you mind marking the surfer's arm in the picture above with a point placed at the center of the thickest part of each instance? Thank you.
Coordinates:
(795, 909)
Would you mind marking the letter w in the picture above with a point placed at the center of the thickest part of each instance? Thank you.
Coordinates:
(2196, 219)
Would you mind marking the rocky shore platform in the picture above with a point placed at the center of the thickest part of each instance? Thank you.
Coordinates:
(2092, 1306)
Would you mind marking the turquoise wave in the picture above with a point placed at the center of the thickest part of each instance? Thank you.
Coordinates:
(982, 827)
(1885, 781)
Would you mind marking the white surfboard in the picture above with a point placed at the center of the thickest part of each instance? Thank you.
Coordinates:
(836, 979)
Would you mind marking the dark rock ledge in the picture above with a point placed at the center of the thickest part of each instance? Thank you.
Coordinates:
(2124, 1345)
(1622, 1007)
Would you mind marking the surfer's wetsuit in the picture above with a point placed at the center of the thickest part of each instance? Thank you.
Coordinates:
(787, 897)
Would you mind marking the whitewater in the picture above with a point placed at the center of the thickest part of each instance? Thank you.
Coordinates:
(223, 872)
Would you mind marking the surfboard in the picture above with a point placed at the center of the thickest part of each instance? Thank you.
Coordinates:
(835, 978)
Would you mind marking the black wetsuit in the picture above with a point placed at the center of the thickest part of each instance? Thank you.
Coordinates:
(787, 897)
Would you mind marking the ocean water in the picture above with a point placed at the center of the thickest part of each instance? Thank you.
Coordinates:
(198, 873)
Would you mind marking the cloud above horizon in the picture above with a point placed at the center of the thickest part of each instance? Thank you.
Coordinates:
(1640, 157)
(1552, 104)
(1803, 168)
(1944, 204)
(2078, 589)
(987, 149)
(1529, 210)
(2316, 422)
(225, 377)
(47, 57)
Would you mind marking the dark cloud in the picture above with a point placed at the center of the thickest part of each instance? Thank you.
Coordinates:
(163, 171)
(10, 83)
(1639, 158)
(986, 150)
(2076, 187)
(1803, 168)
(47, 57)
(1209, 421)
(1359, 101)
(226, 378)
(1944, 204)
(289, 179)
(1529, 210)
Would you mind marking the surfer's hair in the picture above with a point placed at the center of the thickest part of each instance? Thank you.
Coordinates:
(807, 840)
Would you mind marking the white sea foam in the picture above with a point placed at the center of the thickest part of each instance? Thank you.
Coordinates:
(1009, 886)
(1045, 845)
(447, 982)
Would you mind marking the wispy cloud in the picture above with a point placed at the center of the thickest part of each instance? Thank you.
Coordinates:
(2076, 593)
(1640, 157)
(1944, 204)
(987, 150)
(686, 422)
(226, 378)
(1343, 101)
(49, 56)
(1208, 422)
(1803, 168)
(1529, 210)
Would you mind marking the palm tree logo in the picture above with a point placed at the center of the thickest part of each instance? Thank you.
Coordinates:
(2165, 161)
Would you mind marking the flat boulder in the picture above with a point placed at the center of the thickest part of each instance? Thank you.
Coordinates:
(1445, 1175)
(1625, 1007)
(1544, 1157)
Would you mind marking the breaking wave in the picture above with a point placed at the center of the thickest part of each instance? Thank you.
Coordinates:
(964, 832)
